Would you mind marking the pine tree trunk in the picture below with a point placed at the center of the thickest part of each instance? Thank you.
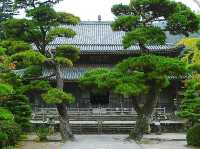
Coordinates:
(144, 116)
(140, 127)
(65, 128)
(143, 48)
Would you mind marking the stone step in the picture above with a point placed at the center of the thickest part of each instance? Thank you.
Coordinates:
(109, 127)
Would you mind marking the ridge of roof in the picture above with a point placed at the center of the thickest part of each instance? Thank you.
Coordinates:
(95, 23)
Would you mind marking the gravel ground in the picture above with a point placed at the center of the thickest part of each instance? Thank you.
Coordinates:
(106, 142)
(101, 142)
(150, 145)
(166, 145)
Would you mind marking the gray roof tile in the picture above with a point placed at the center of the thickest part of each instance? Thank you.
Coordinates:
(98, 36)
(73, 73)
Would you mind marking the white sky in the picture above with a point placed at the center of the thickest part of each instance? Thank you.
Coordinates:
(90, 9)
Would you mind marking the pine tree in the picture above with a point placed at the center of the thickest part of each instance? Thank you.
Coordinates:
(147, 74)
(139, 19)
(42, 29)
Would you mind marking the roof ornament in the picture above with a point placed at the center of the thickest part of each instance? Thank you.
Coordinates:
(99, 18)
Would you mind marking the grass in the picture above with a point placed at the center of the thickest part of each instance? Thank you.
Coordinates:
(23, 137)
(13, 147)
(145, 141)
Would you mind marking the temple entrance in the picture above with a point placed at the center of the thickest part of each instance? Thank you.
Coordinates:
(99, 102)
(99, 99)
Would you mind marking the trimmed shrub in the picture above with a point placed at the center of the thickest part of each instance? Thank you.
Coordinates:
(193, 135)
(9, 130)
(12, 130)
(3, 139)
(21, 110)
(6, 115)
(3, 136)
(42, 133)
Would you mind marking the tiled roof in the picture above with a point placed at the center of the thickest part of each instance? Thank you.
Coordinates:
(98, 36)
(69, 74)
(19, 72)
(98, 33)
(103, 48)
(74, 73)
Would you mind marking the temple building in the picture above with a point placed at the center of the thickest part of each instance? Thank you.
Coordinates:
(102, 47)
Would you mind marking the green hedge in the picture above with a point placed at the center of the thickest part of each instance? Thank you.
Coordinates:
(3, 136)
(42, 133)
(21, 110)
(12, 130)
(193, 135)
(9, 130)
(6, 115)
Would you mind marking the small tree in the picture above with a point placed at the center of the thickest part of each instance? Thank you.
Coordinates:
(192, 52)
(139, 20)
(135, 76)
(14, 100)
(21, 109)
(8, 89)
(5, 90)
(190, 107)
(43, 27)
(9, 130)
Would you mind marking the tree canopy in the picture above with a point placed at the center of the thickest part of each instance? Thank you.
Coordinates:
(5, 90)
(135, 75)
(146, 21)
(57, 96)
(11, 95)
(192, 52)
(42, 26)
(29, 4)
(40, 30)
(190, 107)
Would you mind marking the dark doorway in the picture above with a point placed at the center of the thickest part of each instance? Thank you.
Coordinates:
(99, 98)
